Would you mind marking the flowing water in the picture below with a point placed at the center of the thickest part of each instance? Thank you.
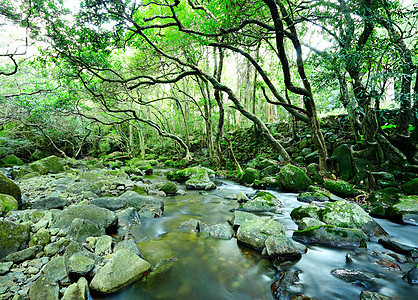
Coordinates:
(202, 267)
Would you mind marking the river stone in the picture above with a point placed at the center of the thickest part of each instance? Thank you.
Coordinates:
(77, 291)
(268, 182)
(411, 187)
(49, 203)
(350, 215)
(393, 245)
(309, 197)
(42, 237)
(367, 295)
(111, 203)
(342, 157)
(185, 174)
(81, 229)
(360, 278)
(242, 197)
(287, 285)
(80, 264)
(13, 237)
(24, 254)
(5, 267)
(240, 217)
(102, 217)
(220, 231)
(306, 210)
(271, 170)
(46, 165)
(44, 288)
(148, 206)
(57, 268)
(103, 245)
(128, 217)
(317, 189)
(8, 202)
(200, 182)
(294, 179)
(412, 276)
(191, 225)
(249, 175)
(339, 188)
(8, 187)
(280, 247)
(263, 202)
(121, 270)
(128, 244)
(254, 233)
(169, 187)
(405, 209)
(56, 247)
(307, 222)
(332, 236)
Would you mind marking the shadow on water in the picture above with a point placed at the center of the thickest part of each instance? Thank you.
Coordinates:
(196, 266)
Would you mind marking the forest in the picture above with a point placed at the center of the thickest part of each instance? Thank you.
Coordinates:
(194, 149)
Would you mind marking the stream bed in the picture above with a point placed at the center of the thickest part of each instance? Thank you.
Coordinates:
(201, 267)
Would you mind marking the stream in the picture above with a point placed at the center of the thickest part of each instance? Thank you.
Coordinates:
(202, 267)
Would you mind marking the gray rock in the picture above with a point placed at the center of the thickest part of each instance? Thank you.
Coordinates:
(287, 285)
(103, 245)
(128, 244)
(81, 229)
(13, 237)
(329, 235)
(122, 269)
(254, 233)
(56, 247)
(412, 276)
(220, 231)
(367, 295)
(41, 237)
(191, 225)
(350, 215)
(390, 243)
(309, 197)
(80, 264)
(5, 267)
(111, 203)
(128, 217)
(240, 217)
(57, 268)
(44, 288)
(280, 247)
(49, 203)
(102, 217)
(360, 278)
(147, 205)
(405, 210)
(306, 210)
(77, 291)
(306, 223)
(24, 254)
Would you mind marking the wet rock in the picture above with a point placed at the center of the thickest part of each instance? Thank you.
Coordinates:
(350, 215)
(411, 187)
(128, 217)
(169, 188)
(77, 291)
(309, 197)
(8, 187)
(294, 179)
(50, 202)
(249, 176)
(73, 247)
(307, 222)
(111, 203)
(103, 245)
(367, 295)
(5, 267)
(24, 254)
(332, 236)
(306, 210)
(102, 217)
(287, 285)
(121, 270)
(360, 278)
(387, 263)
(195, 178)
(148, 206)
(220, 231)
(339, 188)
(240, 217)
(317, 189)
(44, 288)
(80, 264)
(13, 237)
(42, 237)
(263, 202)
(280, 247)
(406, 209)
(253, 233)
(81, 229)
(242, 197)
(128, 244)
(391, 244)
(412, 276)
(301, 297)
(191, 225)
(57, 268)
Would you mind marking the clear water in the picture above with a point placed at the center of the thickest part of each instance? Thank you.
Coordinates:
(209, 268)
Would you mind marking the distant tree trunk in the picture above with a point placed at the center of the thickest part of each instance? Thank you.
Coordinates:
(219, 101)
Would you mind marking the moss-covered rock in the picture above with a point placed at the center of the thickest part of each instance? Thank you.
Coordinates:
(13, 237)
(11, 160)
(42, 237)
(312, 196)
(254, 233)
(405, 210)
(268, 183)
(349, 215)
(263, 202)
(196, 178)
(8, 202)
(50, 164)
(339, 187)
(293, 178)
(411, 187)
(249, 176)
(306, 223)
(37, 155)
(333, 236)
(313, 171)
(282, 248)
(383, 198)
(378, 212)
(342, 157)
(306, 210)
(271, 170)
(169, 187)
(8, 187)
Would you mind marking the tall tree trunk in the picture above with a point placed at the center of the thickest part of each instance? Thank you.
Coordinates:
(219, 101)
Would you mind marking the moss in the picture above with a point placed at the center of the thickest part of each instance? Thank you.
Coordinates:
(170, 188)
(8, 202)
(307, 210)
(13, 237)
(8, 187)
(339, 187)
(12, 160)
(411, 187)
(293, 178)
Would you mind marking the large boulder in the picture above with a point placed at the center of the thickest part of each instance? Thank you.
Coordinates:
(294, 179)
(240, 217)
(111, 203)
(280, 247)
(121, 270)
(8, 202)
(8, 187)
(339, 188)
(58, 268)
(249, 176)
(147, 206)
(411, 187)
(220, 231)
(263, 202)
(329, 235)
(13, 237)
(80, 229)
(405, 210)
(306, 210)
(50, 164)
(350, 215)
(253, 233)
(102, 217)
(342, 158)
